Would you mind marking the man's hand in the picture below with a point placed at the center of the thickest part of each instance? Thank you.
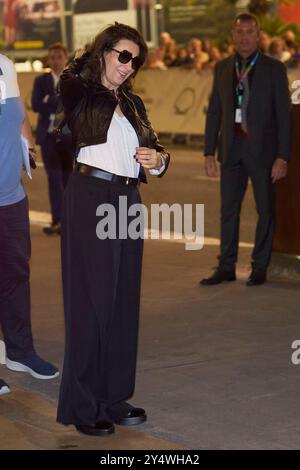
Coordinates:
(279, 170)
(210, 166)
(32, 157)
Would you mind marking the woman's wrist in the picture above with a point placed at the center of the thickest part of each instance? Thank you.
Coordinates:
(160, 161)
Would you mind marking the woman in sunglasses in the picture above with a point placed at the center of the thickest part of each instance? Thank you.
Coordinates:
(114, 143)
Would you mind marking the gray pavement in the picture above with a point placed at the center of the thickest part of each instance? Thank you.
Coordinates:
(214, 368)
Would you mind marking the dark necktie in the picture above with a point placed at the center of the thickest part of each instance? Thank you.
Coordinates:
(246, 95)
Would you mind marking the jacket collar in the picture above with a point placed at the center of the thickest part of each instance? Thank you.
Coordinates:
(248, 59)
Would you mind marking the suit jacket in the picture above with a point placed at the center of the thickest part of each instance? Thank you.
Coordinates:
(43, 86)
(268, 113)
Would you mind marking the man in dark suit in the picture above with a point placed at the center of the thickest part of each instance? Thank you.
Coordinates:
(249, 120)
(58, 160)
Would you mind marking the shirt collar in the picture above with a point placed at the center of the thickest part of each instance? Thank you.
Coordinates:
(55, 77)
(251, 57)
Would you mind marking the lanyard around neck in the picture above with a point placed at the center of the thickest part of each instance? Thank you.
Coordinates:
(241, 77)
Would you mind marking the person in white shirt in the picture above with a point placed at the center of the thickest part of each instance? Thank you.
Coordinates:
(114, 144)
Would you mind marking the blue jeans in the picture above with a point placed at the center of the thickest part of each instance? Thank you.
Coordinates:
(15, 250)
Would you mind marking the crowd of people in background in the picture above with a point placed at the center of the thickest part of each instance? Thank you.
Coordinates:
(203, 54)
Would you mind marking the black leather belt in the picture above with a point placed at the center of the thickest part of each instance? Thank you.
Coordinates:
(105, 175)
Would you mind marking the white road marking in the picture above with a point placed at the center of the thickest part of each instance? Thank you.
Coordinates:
(39, 218)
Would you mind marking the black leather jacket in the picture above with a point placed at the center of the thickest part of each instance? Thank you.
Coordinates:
(89, 107)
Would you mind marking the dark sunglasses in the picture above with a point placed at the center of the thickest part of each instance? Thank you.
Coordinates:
(126, 56)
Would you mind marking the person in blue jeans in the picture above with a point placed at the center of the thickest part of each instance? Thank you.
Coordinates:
(15, 246)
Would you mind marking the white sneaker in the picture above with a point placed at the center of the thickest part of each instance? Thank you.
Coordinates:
(2, 352)
(35, 366)
(4, 388)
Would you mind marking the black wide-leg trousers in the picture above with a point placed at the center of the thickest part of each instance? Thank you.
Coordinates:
(101, 286)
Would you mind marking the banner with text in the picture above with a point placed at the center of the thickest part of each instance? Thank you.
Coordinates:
(91, 16)
(176, 100)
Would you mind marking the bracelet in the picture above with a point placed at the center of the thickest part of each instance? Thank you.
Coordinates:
(163, 161)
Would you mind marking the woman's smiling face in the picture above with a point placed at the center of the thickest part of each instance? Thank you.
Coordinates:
(115, 72)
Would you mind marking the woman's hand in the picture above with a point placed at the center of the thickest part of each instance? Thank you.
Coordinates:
(148, 158)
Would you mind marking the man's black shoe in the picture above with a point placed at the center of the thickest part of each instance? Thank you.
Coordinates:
(102, 428)
(125, 414)
(52, 229)
(218, 277)
(257, 278)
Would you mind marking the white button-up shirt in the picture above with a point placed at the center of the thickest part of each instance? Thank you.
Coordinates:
(117, 154)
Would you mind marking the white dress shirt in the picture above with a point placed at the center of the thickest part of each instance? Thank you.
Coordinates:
(46, 98)
(56, 78)
(117, 154)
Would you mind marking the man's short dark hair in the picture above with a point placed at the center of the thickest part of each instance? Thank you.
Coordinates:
(58, 46)
(249, 17)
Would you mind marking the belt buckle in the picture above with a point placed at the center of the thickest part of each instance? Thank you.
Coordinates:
(127, 181)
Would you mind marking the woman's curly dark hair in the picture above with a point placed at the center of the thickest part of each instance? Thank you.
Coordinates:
(106, 40)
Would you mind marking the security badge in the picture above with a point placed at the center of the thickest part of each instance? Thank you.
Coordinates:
(238, 111)
(238, 115)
